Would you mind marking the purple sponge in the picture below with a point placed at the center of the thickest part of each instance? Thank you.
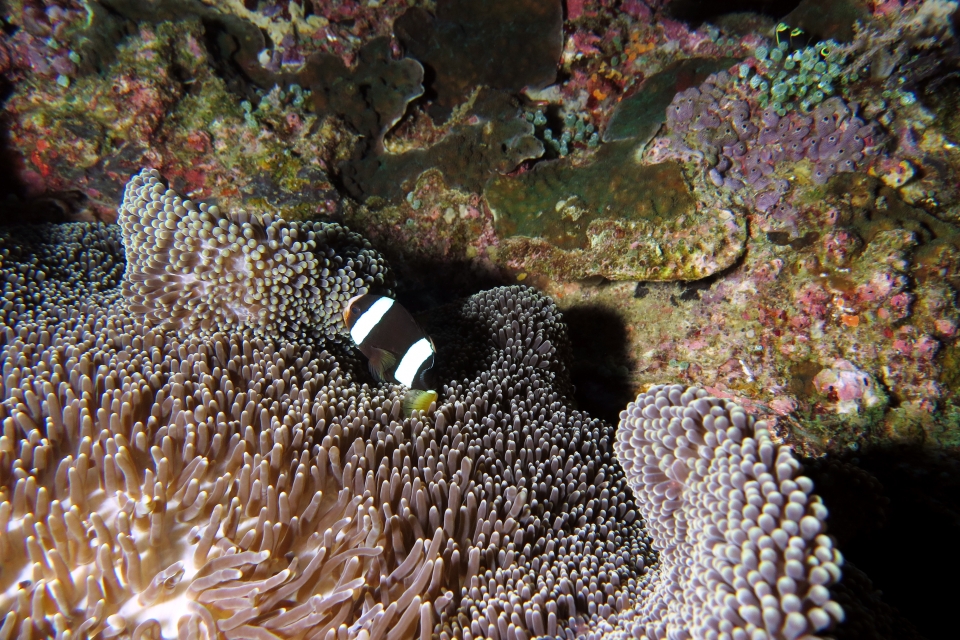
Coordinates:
(744, 147)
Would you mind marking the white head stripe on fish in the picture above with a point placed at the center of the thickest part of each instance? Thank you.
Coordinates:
(415, 356)
(370, 318)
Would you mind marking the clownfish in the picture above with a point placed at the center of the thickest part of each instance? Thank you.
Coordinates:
(396, 347)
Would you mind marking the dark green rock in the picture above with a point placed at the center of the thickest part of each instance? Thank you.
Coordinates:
(828, 19)
(641, 114)
(493, 139)
(613, 217)
(372, 96)
(611, 186)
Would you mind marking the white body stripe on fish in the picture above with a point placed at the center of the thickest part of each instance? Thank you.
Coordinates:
(370, 319)
(415, 356)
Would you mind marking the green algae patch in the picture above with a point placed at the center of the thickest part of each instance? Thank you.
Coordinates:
(640, 115)
(613, 218)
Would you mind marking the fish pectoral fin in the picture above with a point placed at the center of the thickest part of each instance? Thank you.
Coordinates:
(380, 362)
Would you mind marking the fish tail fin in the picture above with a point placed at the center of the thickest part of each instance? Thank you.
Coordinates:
(417, 400)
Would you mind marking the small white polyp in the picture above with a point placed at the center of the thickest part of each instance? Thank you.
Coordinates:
(369, 319)
(415, 356)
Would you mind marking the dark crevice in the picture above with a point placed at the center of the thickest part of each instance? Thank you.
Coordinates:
(601, 364)
(696, 12)
(689, 289)
(895, 512)
(220, 47)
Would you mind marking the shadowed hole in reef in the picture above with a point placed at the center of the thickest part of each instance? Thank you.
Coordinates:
(599, 359)
(896, 515)
(601, 364)
(685, 290)
(696, 12)
(427, 284)
(12, 187)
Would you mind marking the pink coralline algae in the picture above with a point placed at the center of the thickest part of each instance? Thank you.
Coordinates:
(741, 535)
(878, 288)
(847, 388)
(37, 48)
(783, 405)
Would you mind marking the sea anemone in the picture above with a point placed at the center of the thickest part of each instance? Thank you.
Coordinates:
(741, 535)
(164, 476)
(194, 269)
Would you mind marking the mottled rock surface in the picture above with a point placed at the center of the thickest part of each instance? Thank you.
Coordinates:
(611, 217)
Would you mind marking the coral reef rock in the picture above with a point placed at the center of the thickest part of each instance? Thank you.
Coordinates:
(612, 217)
(372, 96)
(490, 139)
(503, 44)
(237, 41)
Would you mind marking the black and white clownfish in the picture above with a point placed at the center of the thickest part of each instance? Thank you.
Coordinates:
(396, 347)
